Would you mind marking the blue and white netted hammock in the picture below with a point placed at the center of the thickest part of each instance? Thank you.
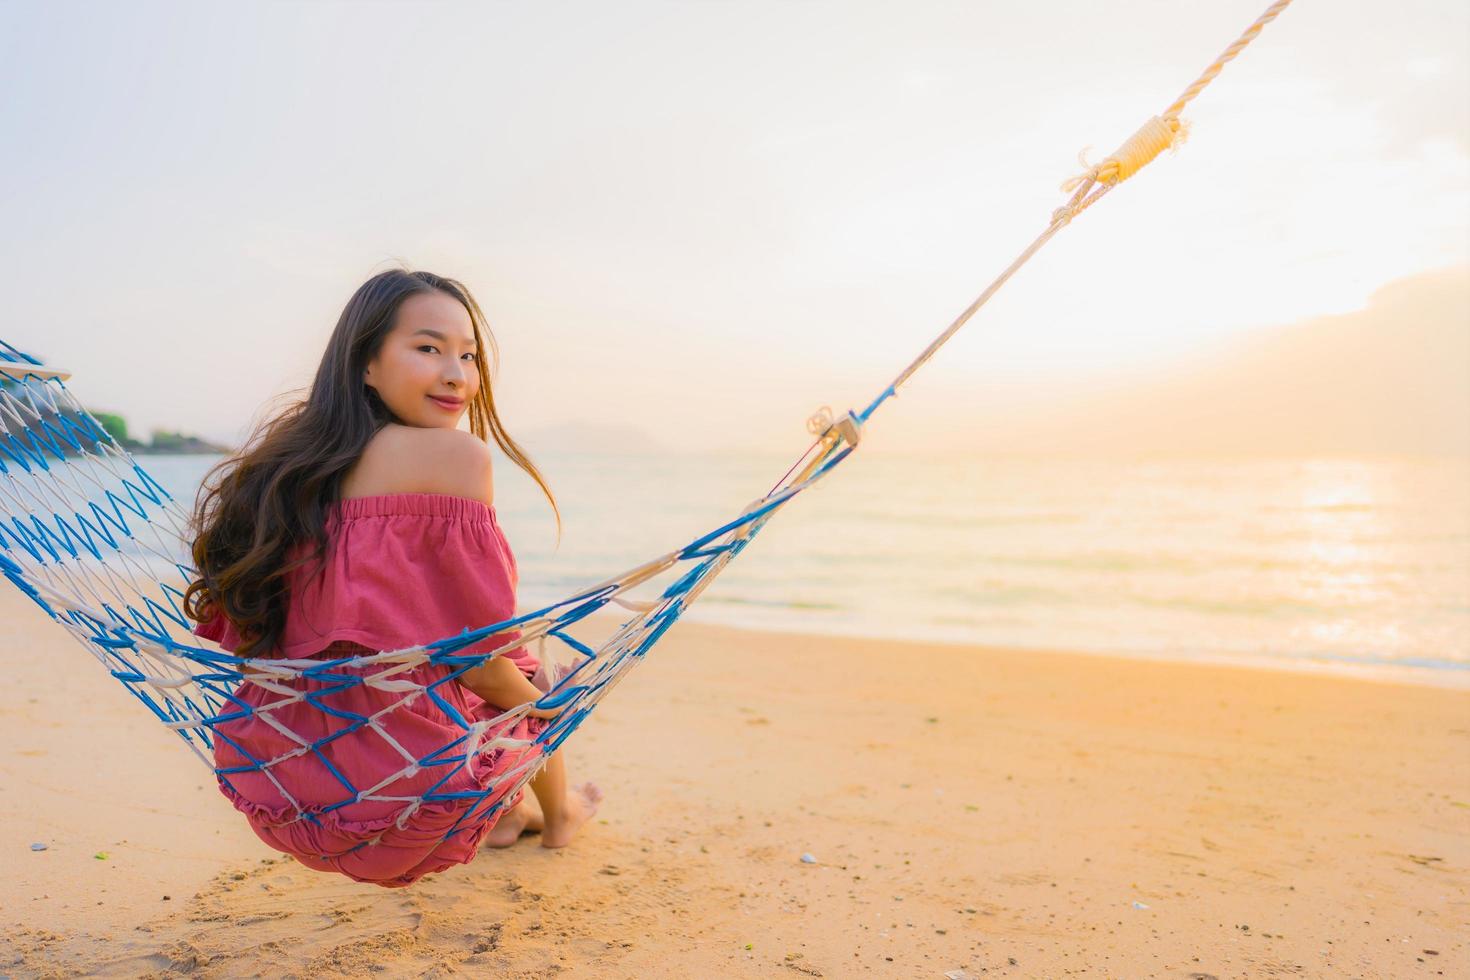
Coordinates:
(101, 547)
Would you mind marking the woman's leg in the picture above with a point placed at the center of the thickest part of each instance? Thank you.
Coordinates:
(563, 813)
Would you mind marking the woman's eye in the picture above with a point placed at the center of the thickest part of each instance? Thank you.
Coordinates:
(431, 347)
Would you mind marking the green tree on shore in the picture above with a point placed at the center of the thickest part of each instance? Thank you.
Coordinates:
(116, 425)
(163, 440)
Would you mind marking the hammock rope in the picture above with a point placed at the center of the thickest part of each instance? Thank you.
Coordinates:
(1153, 137)
(102, 547)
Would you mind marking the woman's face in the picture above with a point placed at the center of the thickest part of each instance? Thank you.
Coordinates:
(426, 370)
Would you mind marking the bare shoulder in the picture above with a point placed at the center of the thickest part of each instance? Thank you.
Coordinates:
(408, 459)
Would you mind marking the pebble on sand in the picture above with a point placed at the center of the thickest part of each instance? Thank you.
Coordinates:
(38, 847)
(808, 859)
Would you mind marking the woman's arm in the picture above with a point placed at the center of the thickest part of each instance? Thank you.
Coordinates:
(500, 682)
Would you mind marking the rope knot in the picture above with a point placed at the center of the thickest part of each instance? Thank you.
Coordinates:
(1153, 137)
(820, 421)
(473, 738)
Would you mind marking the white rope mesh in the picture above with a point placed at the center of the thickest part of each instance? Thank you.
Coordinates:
(87, 533)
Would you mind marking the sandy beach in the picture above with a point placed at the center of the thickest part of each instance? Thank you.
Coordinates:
(1000, 812)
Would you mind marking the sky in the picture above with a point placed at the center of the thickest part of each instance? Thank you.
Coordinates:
(695, 223)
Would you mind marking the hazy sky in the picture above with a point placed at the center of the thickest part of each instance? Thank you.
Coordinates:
(704, 220)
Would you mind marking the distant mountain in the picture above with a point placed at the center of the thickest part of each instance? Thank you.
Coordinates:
(1392, 378)
(166, 443)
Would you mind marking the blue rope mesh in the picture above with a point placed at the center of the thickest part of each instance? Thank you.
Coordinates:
(102, 547)
(97, 543)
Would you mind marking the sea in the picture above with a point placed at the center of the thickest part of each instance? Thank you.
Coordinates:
(1344, 565)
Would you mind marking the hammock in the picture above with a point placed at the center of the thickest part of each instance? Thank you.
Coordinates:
(101, 547)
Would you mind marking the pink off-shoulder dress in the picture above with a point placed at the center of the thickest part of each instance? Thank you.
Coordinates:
(401, 570)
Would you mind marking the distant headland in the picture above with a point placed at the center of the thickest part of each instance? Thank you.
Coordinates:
(163, 441)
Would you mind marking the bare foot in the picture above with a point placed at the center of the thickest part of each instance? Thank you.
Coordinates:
(581, 805)
(524, 819)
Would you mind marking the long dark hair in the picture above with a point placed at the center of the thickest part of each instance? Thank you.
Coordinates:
(276, 492)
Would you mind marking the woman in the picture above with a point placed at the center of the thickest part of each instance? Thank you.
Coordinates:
(360, 520)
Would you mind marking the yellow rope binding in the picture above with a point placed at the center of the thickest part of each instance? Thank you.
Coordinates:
(1155, 136)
